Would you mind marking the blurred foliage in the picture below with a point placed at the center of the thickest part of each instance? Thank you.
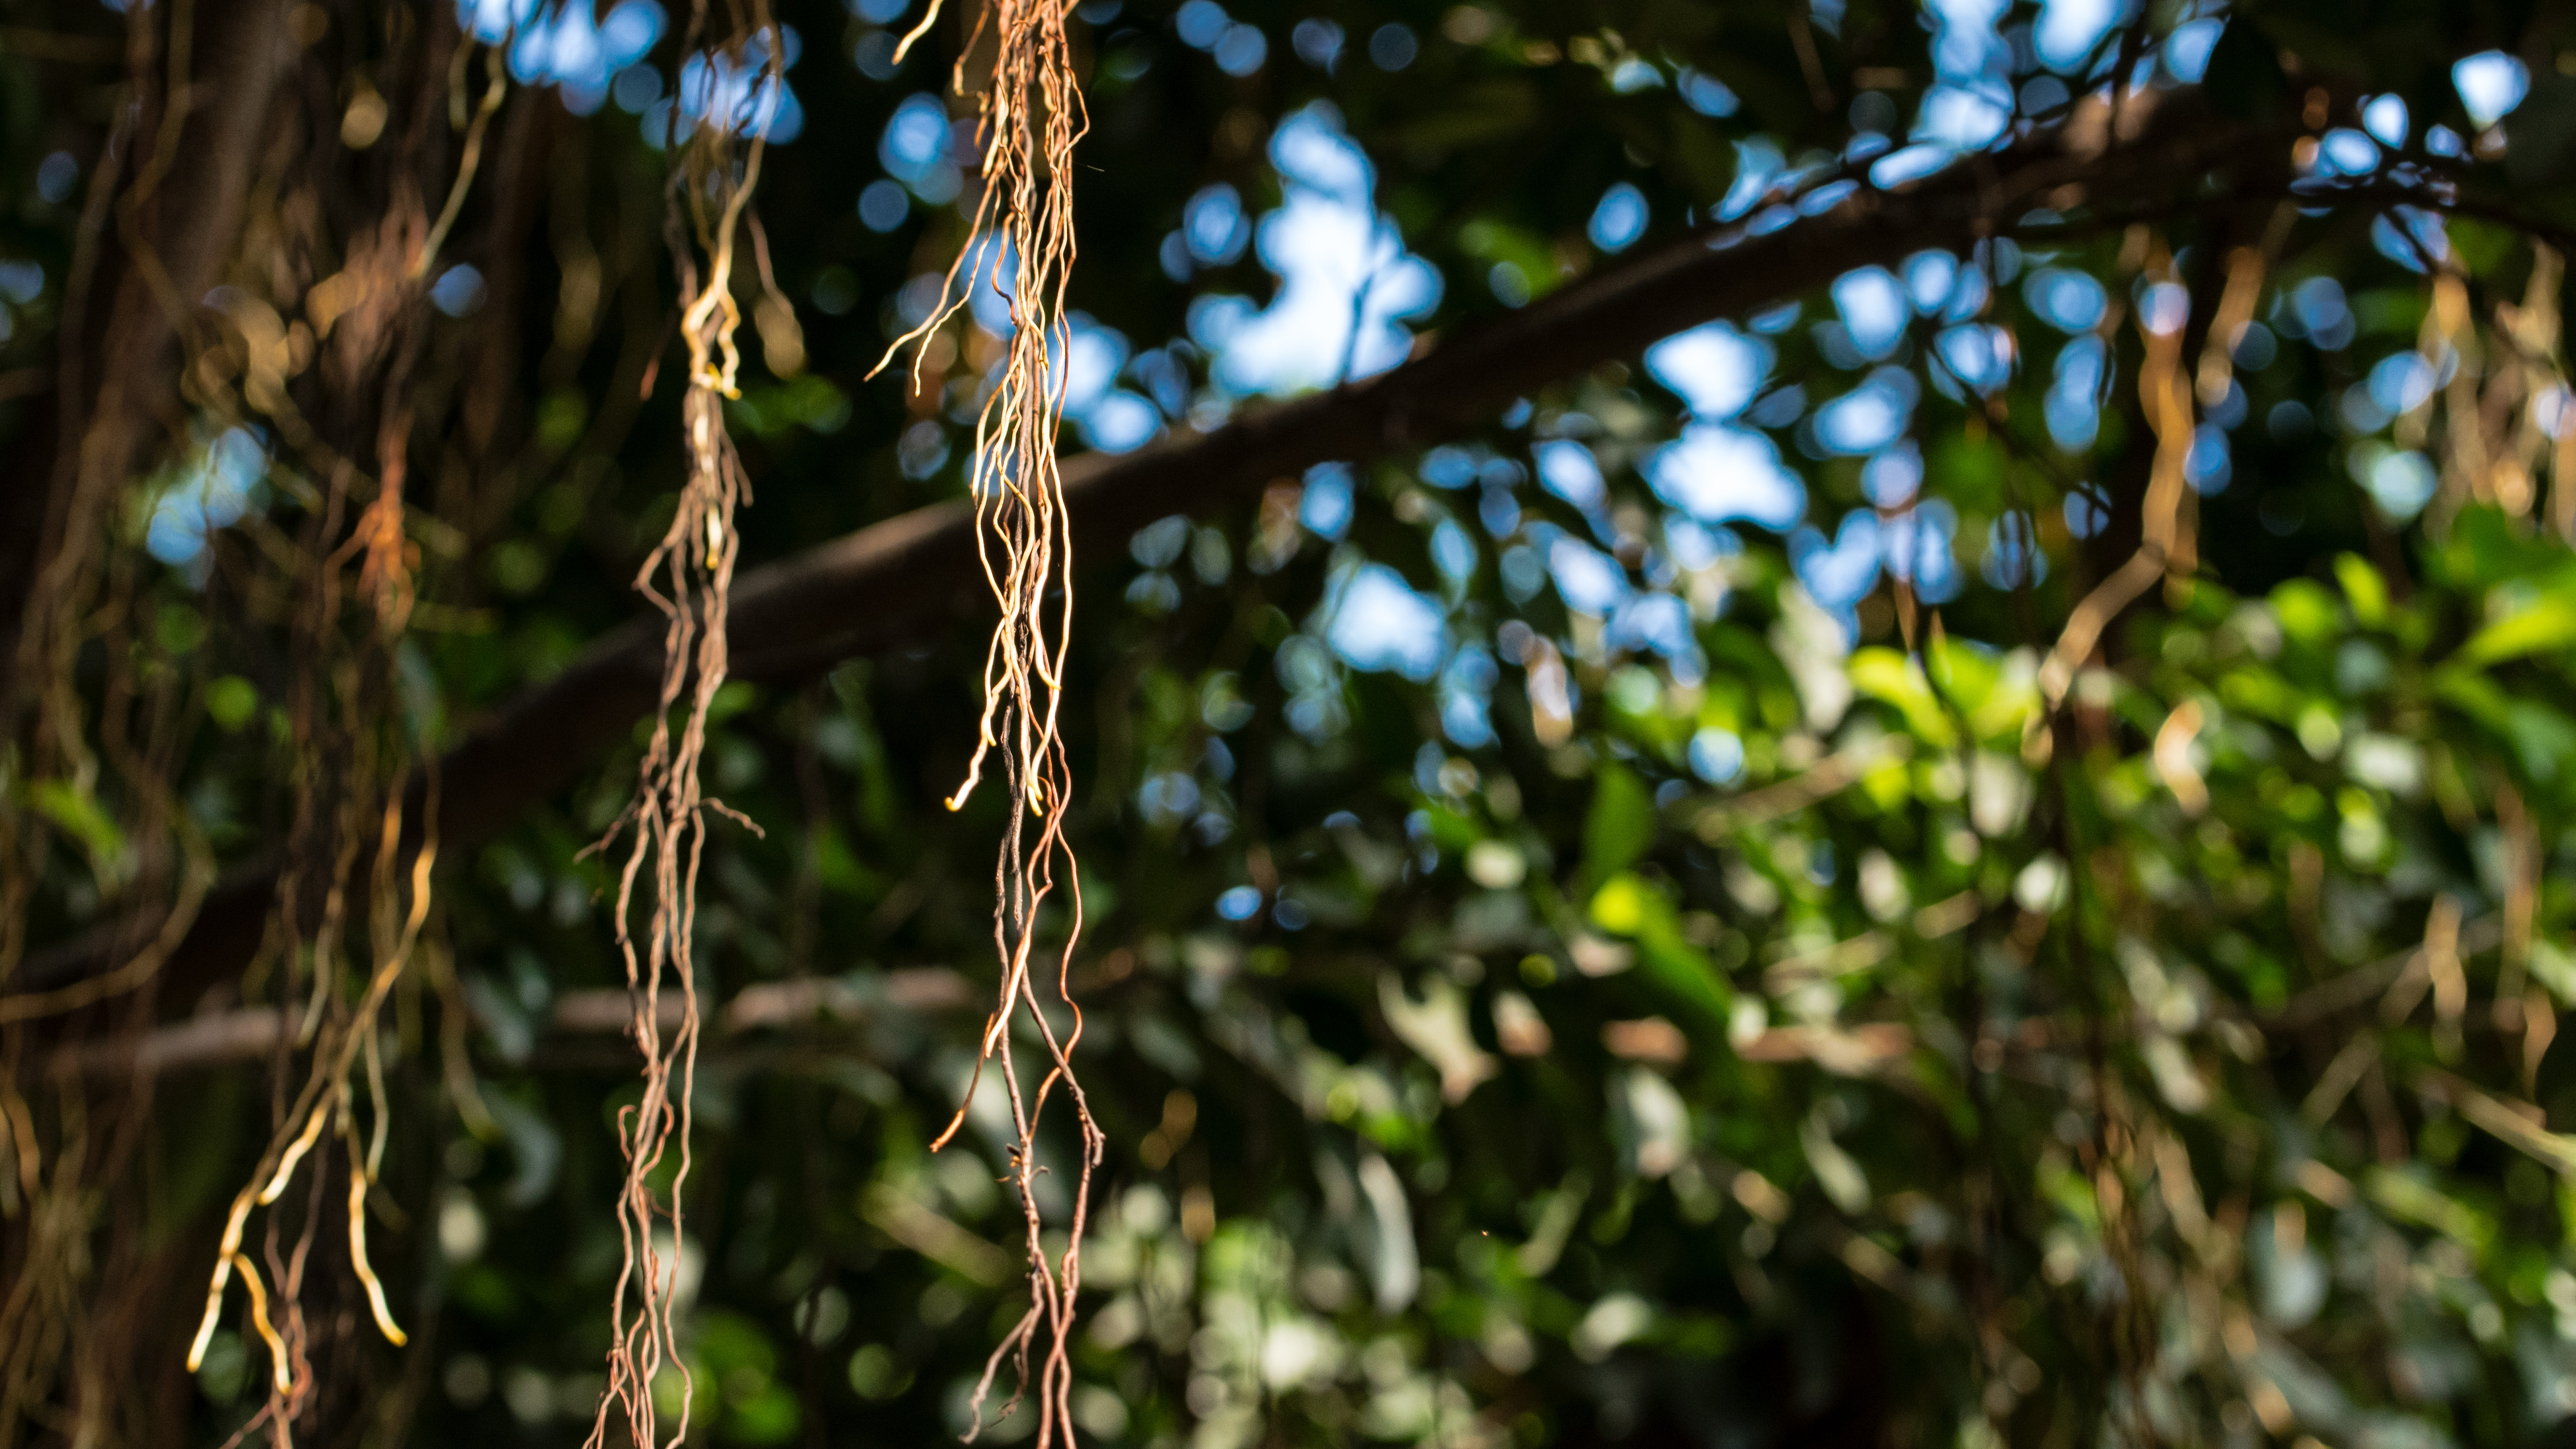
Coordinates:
(1804, 1029)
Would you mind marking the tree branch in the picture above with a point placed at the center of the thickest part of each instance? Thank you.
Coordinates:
(248, 1033)
(897, 583)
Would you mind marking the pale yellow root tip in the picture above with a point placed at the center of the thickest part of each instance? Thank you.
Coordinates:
(929, 18)
(225, 1256)
(206, 1325)
(278, 1373)
(358, 1262)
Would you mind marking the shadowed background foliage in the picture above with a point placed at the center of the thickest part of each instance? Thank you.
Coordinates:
(1826, 724)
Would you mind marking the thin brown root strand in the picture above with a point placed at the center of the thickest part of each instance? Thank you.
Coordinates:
(689, 578)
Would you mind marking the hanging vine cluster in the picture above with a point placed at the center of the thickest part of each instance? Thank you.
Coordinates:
(312, 362)
(298, 379)
(355, 898)
(1030, 114)
(688, 577)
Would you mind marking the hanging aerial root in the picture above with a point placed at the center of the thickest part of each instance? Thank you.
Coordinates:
(228, 1255)
(689, 578)
(2165, 391)
(279, 1372)
(229, 1252)
(1021, 245)
(360, 1179)
(295, 1154)
(225, 1257)
(326, 1091)
(350, 789)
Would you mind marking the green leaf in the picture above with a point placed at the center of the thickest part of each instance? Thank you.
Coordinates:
(1622, 905)
(2484, 245)
(2542, 736)
(840, 871)
(2548, 622)
(78, 815)
(1451, 831)
(2488, 547)
(1621, 825)
(2554, 966)
(1971, 470)
(1627, 906)
(231, 701)
(179, 629)
(1995, 691)
(2261, 692)
(2363, 588)
(2307, 612)
(1897, 679)
(2407, 1195)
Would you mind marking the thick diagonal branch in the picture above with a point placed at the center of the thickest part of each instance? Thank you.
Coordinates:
(900, 582)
